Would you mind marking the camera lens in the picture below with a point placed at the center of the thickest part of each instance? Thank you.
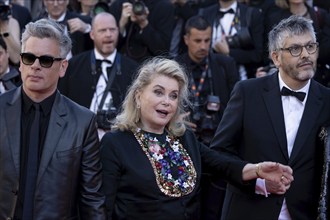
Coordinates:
(138, 8)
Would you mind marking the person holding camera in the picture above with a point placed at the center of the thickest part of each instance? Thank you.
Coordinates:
(237, 32)
(211, 80)
(10, 32)
(77, 25)
(10, 78)
(145, 27)
(98, 78)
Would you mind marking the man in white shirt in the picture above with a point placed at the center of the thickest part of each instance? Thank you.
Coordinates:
(277, 118)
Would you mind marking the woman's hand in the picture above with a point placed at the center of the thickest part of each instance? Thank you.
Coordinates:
(278, 177)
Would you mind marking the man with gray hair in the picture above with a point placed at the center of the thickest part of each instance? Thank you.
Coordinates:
(277, 118)
(49, 164)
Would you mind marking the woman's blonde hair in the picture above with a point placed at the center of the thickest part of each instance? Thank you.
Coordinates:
(129, 117)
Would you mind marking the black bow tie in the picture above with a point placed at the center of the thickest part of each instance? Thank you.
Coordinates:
(104, 60)
(287, 92)
(222, 13)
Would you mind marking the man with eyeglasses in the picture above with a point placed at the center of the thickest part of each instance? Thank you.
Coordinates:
(278, 118)
(50, 163)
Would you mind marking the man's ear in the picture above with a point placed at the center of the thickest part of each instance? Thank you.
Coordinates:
(63, 67)
(276, 58)
(186, 38)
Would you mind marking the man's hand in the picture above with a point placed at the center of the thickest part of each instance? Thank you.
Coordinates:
(76, 24)
(221, 46)
(278, 177)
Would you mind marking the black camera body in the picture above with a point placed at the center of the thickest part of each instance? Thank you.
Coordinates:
(104, 118)
(5, 12)
(242, 39)
(206, 119)
(139, 8)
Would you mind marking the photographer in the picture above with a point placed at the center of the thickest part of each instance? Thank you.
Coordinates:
(145, 27)
(238, 32)
(10, 32)
(212, 77)
(10, 78)
(98, 78)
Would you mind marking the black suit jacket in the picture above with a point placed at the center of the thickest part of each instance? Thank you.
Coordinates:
(248, 57)
(79, 82)
(130, 183)
(69, 178)
(253, 129)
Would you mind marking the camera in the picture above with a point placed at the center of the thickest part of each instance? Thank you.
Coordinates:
(100, 7)
(242, 39)
(104, 118)
(5, 11)
(206, 119)
(139, 8)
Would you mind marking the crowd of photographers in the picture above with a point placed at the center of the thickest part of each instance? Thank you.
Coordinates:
(149, 28)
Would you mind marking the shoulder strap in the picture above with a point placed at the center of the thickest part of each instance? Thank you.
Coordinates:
(115, 69)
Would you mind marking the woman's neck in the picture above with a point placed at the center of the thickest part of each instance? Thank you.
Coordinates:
(298, 9)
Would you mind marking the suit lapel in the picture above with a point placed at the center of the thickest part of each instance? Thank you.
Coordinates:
(55, 129)
(13, 126)
(273, 102)
(311, 112)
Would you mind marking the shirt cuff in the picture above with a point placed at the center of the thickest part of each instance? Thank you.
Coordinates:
(261, 187)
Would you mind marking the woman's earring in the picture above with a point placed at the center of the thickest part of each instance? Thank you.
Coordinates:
(138, 106)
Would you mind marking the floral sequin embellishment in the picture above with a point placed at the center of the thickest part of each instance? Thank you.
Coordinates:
(174, 170)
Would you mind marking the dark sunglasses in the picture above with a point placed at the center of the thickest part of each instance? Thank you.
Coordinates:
(45, 61)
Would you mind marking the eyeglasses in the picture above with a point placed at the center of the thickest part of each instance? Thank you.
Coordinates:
(45, 61)
(58, 1)
(296, 50)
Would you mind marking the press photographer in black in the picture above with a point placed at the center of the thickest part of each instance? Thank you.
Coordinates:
(98, 78)
(237, 32)
(145, 27)
(212, 77)
(10, 32)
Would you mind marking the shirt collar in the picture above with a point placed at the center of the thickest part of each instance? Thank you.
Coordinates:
(232, 6)
(60, 19)
(46, 105)
(111, 57)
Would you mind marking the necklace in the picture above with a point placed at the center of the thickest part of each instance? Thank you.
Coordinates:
(174, 170)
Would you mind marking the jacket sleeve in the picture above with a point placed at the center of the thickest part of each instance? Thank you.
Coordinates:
(111, 171)
(91, 199)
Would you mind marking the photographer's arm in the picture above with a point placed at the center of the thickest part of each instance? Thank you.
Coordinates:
(10, 32)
